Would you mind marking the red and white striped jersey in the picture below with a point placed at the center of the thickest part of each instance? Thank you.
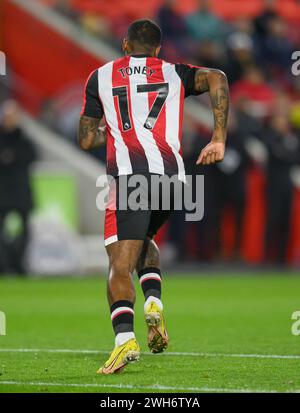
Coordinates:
(142, 100)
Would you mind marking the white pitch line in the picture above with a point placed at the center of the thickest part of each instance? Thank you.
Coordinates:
(50, 350)
(176, 353)
(263, 356)
(133, 387)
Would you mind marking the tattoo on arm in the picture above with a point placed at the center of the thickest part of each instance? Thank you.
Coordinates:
(88, 133)
(219, 100)
(201, 82)
(215, 82)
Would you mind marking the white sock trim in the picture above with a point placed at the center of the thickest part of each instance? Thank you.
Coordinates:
(155, 300)
(150, 276)
(121, 310)
(121, 338)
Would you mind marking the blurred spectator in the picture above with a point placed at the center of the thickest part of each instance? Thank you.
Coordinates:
(203, 24)
(171, 22)
(261, 22)
(179, 228)
(209, 55)
(282, 105)
(254, 87)
(275, 48)
(243, 25)
(174, 31)
(228, 179)
(207, 230)
(284, 152)
(240, 55)
(247, 126)
(16, 155)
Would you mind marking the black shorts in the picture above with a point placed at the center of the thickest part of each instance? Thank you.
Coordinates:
(126, 219)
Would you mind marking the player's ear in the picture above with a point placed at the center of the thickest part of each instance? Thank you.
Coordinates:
(157, 50)
(125, 46)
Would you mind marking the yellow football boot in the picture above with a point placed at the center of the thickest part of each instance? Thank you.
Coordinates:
(157, 334)
(121, 356)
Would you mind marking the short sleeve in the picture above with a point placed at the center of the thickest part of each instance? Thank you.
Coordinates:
(92, 105)
(187, 76)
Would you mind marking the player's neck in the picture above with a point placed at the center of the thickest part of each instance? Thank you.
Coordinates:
(141, 53)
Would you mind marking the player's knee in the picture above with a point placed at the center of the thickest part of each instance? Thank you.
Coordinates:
(119, 269)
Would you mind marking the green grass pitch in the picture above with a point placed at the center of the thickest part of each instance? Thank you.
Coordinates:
(238, 329)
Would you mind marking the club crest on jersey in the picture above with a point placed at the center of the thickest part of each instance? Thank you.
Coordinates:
(136, 70)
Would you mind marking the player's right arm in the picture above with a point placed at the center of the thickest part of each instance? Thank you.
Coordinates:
(90, 134)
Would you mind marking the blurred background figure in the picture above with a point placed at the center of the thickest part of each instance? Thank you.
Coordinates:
(283, 153)
(254, 87)
(203, 24)
(229, 179)
(268, 12)
(208, 54)
(174, 31)
(275, 46)
(240, 55)
(16, 155)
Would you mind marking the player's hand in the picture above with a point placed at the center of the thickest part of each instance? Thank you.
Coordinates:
(211, 153)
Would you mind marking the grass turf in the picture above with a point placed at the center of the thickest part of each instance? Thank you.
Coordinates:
(209, 314)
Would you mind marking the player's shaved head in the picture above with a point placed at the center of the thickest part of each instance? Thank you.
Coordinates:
(143, 35)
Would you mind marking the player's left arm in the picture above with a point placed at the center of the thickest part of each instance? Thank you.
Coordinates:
(90, 134)
(215, 83)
